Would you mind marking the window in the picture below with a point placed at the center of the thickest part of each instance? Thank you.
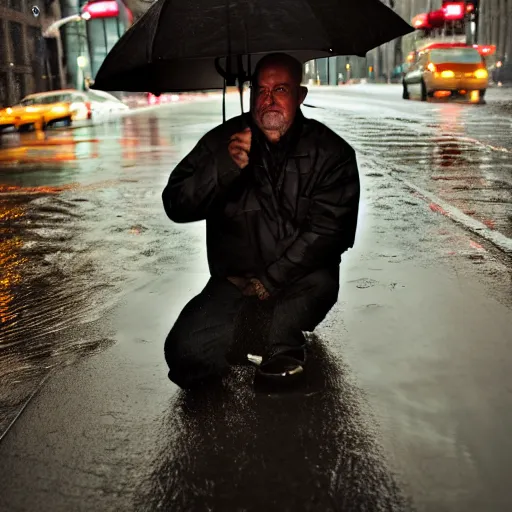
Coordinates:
(101, 97)
(456, 55)
(16, 5)
(35, 38)
(19, 86)
(61, 98)
(47, 99)
(3, 50)
(3, 89)
(48, 7)
(16, 33)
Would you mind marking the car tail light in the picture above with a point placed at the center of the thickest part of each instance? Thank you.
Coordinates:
(447, 74)
(89, 109)
(431, 67)
(481, 73)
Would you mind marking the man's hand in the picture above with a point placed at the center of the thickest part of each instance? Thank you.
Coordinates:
(256, 287)
(240, 146)
(250, 287)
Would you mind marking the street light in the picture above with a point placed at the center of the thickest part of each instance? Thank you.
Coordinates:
(81, 61)
(53, 29)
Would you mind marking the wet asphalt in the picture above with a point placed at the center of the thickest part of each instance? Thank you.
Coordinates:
(408, 394)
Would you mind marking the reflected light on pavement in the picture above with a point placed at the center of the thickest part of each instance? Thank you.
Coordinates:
(10, 263)
(50, 150)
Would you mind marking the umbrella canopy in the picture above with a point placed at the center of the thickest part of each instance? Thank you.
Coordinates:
(198, 44)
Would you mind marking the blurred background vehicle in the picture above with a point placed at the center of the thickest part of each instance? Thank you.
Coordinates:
(64, 107)
(25, 116)
(446, 70)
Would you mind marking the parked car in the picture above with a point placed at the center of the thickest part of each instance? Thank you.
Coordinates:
(30, 111)
(61, 107)
(104, 106)
(446, 71)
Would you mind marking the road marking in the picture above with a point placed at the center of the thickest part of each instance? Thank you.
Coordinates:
(498, 239)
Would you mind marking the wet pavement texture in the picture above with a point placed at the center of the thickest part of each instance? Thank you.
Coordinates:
(407, 404)
(461, 152)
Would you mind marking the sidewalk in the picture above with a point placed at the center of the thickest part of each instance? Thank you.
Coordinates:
(422, 374)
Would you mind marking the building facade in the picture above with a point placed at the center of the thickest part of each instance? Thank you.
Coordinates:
(27, 63)
(86, 44)
(495, 27)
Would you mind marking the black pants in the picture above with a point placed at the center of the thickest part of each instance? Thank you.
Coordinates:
(198, 345)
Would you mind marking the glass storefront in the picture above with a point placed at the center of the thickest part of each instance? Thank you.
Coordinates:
(103, 34)
(88, 43)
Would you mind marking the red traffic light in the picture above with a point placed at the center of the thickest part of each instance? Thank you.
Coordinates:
(454, 11)
(102, 9)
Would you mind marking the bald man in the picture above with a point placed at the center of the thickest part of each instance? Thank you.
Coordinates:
(280, 196)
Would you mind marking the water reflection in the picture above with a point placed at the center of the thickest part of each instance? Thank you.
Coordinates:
(230, 449)
(140, 135)
(446, 147)
(458, 172)
(130, 139)
(48, 291)
(11, 263)
(53, 148)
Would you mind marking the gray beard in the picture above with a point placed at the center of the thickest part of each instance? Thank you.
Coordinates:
(273, 121)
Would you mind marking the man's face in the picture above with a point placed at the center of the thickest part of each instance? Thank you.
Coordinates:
(276, 98)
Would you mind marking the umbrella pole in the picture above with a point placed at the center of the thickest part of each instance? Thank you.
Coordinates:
(224, 102)
(241, 80)
(241, 92)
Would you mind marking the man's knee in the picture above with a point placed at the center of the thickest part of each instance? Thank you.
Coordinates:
(306, 303)
(179, 360)
(325, 283)
(322, 284)
(188, 363)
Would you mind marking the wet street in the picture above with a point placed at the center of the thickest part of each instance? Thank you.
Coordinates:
(408, 403)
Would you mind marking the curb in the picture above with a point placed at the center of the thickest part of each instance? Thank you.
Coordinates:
(25, 404)
(478, 228)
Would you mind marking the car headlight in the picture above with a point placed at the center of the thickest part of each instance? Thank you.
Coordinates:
(447, 74)
(59, 109)
(8, 110)
(481, 73)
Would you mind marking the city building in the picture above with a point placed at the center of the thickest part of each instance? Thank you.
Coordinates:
(490, 23)
(87, 43)
(28, 62)
(495, 27)
(45, 45)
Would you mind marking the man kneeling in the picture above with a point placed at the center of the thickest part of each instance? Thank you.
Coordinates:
(280, 195)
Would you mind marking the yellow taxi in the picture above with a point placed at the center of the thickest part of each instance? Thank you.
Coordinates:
(447, 70)
(45, 109)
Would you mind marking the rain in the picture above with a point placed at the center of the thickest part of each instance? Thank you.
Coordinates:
(406, 400)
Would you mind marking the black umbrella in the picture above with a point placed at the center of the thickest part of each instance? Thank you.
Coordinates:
(192, 45)
(181, 45)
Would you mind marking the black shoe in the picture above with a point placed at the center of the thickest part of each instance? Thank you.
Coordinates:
(281, 370)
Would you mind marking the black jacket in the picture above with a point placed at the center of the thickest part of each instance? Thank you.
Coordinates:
(275, 229)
